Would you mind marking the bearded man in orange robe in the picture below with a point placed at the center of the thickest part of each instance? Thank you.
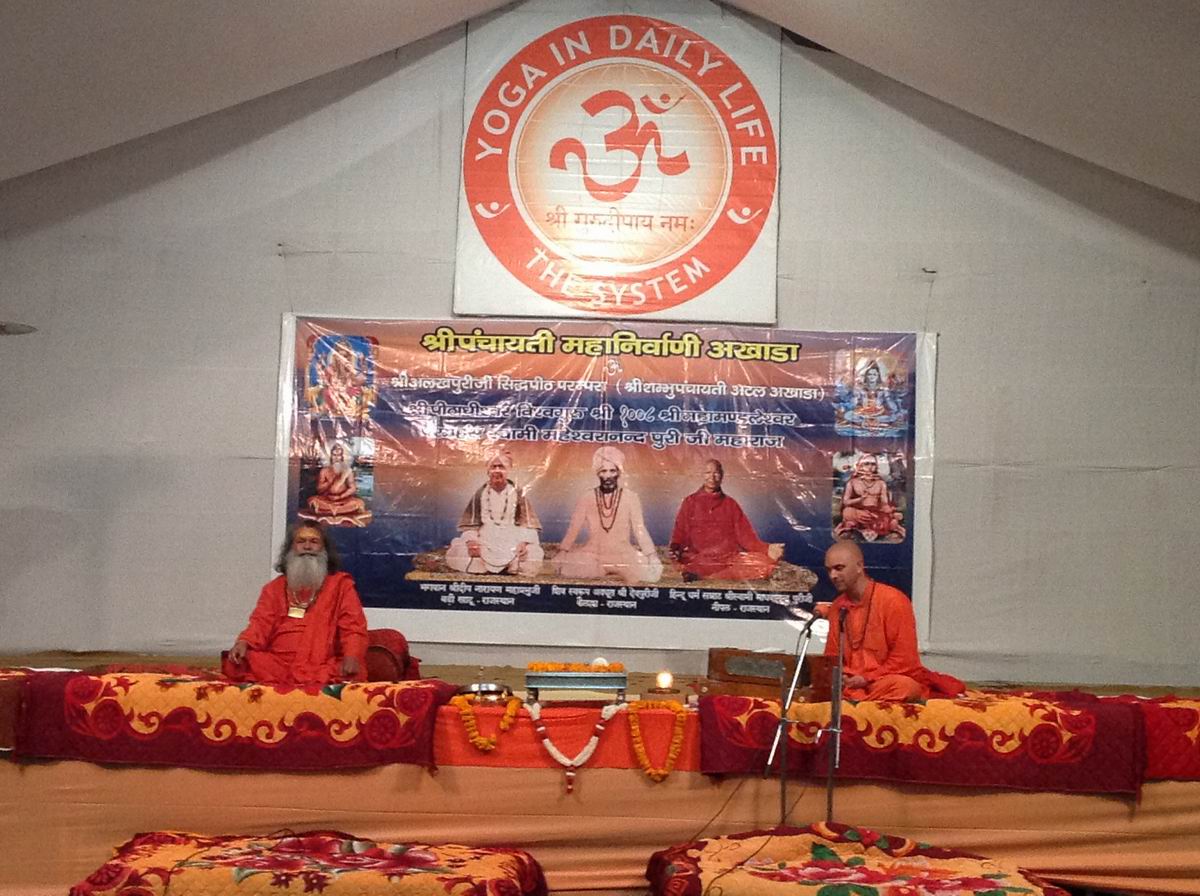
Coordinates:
(308, 627)
(879, 630)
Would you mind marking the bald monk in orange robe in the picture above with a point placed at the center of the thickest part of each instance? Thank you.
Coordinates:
(308, 627)
(713, 539)
(881, 658)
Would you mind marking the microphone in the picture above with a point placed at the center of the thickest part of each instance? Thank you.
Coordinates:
(808, 618)
(810, 621)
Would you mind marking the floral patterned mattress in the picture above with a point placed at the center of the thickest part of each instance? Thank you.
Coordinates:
(831, 860)
(324, 862)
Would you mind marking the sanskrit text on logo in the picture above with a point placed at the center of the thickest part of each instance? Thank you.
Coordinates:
(620, 164)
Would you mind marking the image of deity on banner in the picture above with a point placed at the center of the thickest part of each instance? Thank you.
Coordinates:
(869, 394)
(340, 376)
(337, 482)
(870, 496)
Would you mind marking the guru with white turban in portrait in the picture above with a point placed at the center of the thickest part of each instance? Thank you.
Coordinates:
(618, 543)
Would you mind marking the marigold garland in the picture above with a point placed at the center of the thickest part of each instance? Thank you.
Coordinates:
(639, 745)
(465, 704)
(575, 667)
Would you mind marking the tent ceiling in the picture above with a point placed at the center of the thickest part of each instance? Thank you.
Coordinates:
(1114, 83)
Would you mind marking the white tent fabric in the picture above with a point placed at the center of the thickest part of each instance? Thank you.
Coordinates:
(139, 421)
(1115, 83)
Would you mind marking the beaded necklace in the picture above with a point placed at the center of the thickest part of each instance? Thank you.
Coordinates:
(862, 632)
(487, 502)
(297, 607)
(606, 508)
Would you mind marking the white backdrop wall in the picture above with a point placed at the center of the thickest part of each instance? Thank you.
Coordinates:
(139, 422)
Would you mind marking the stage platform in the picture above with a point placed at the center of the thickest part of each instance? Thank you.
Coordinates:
(59, 819)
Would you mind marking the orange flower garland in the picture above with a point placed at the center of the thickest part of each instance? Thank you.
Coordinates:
(465, 704)
(639, 745)
(575, 667)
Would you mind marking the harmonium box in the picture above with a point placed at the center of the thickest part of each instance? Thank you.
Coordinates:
(748, 673)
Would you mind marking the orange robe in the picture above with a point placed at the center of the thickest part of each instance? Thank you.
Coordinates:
(886, 656)
(306, 651)
(715, 540)
(334, 500)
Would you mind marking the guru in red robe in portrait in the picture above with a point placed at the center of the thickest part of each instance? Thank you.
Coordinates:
(714, 539)
(881, 647)
(308, 650)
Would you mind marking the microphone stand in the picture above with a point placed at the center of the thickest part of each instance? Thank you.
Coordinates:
(835, 717)
(786, 694)
(834, 728)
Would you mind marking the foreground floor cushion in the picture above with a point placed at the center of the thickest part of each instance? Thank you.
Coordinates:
(830, 859)
(325, 862)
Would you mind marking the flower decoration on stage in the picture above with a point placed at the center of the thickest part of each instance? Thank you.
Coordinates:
(580, 759)
(576, 667)
(658, 773)
(465, 704)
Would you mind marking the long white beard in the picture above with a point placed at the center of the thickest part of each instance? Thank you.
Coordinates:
(306, 572)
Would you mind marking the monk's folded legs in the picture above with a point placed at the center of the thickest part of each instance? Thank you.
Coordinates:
(888, 688)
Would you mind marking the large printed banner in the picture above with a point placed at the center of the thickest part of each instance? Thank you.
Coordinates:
(605, 473)
(619, 159)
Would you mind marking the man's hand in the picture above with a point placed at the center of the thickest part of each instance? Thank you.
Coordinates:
(349, 666)
(775, 551)
(473, 549)
(237, 653)
(822, 609)
(523, 550)
(855, 681)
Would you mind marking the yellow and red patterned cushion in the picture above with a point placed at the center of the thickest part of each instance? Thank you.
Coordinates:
(1071, 742)
(324, 862)
(200, 722)
(827, 859)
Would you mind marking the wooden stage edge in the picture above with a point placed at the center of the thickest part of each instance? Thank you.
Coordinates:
(63, 818)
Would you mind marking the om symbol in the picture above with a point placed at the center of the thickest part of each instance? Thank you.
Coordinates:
(632, 136)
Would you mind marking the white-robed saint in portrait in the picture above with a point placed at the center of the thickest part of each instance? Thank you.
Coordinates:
(618, 543)
(498, 530)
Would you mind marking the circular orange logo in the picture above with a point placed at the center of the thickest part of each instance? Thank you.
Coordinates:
(620, 164)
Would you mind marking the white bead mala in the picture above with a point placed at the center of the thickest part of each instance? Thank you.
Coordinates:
(580, 759)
